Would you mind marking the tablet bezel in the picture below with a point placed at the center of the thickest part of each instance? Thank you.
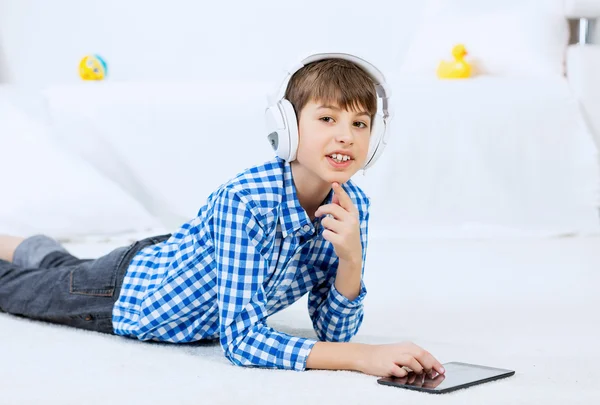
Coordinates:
(503, 373)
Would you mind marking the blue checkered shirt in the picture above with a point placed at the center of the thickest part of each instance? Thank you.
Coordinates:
(250, 252)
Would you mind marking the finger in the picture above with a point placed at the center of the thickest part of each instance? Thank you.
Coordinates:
(332, 224)
(337, 211)
(332, 237)
(335, 199)
(438, 367)
(410, 362)
(411, 378)
(398, 371)
(426, 359)
(344, 199)
(419, 380)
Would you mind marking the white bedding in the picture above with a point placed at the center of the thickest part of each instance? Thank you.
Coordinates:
(486, 156)
(45, 189)
(526, 305)
(168, 144)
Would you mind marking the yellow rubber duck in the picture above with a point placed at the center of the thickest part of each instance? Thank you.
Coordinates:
(457, 69)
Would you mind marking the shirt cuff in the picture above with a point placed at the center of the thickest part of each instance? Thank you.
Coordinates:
(301, 348)
(342, 305)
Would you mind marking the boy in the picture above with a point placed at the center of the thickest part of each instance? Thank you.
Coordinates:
(293, 225)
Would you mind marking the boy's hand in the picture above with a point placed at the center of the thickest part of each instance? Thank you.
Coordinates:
(343, 230)
(388, 360)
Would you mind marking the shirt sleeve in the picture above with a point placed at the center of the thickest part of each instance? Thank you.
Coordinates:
(241, 270)
(335, 318)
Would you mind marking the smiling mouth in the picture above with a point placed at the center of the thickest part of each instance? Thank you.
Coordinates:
(339, 158)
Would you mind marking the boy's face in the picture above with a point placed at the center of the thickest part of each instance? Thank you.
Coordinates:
(333, 142)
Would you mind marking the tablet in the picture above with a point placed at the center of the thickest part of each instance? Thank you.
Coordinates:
(457, 376)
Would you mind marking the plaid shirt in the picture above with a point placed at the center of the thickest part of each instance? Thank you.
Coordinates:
(251, 252)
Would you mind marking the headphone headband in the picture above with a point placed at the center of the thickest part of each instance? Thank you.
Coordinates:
(381, 87)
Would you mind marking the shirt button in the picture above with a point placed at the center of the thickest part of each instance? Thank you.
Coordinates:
(306, 228)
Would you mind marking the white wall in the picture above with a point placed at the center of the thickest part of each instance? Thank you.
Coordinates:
(43, 40)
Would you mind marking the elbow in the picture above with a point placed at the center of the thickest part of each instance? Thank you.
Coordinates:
(327, 332)
(230, 350)
(234, 360)
(340, 336)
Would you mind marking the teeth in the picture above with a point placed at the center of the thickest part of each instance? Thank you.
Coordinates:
(338, 157)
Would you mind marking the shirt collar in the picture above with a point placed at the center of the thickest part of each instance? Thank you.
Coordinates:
(293, 217)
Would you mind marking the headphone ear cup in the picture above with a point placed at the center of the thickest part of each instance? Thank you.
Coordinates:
(282, 129)
(276, 131)
(377, 142)
(291, 125)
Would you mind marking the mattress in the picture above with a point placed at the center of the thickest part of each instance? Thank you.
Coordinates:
(485, 157)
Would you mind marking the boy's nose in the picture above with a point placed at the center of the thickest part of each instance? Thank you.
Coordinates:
(345, 135)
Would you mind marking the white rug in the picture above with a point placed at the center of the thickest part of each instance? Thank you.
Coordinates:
(527, 305)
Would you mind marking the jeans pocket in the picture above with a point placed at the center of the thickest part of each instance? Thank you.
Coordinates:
(97, 277)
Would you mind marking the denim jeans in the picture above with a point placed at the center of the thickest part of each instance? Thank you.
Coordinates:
(47, 283)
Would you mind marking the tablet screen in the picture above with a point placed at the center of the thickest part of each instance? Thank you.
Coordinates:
(457, 374)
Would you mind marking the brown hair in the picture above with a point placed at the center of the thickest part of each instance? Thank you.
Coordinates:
(335, 81)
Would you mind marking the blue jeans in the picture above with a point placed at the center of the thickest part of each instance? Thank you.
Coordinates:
(47, 283)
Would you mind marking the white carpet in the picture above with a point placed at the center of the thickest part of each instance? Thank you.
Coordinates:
(526, 305)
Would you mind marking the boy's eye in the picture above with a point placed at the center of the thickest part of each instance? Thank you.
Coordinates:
(361, 124)
(327, 119)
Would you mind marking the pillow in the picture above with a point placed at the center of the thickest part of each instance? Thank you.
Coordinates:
(46, 190)
(173, 143)
(515, 40)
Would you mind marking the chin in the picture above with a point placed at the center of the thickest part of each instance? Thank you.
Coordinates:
(330, 175)
(338, 177)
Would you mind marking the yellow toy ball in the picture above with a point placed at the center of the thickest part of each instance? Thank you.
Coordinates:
(92, 67)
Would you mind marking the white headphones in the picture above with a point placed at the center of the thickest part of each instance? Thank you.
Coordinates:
(282, 124)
